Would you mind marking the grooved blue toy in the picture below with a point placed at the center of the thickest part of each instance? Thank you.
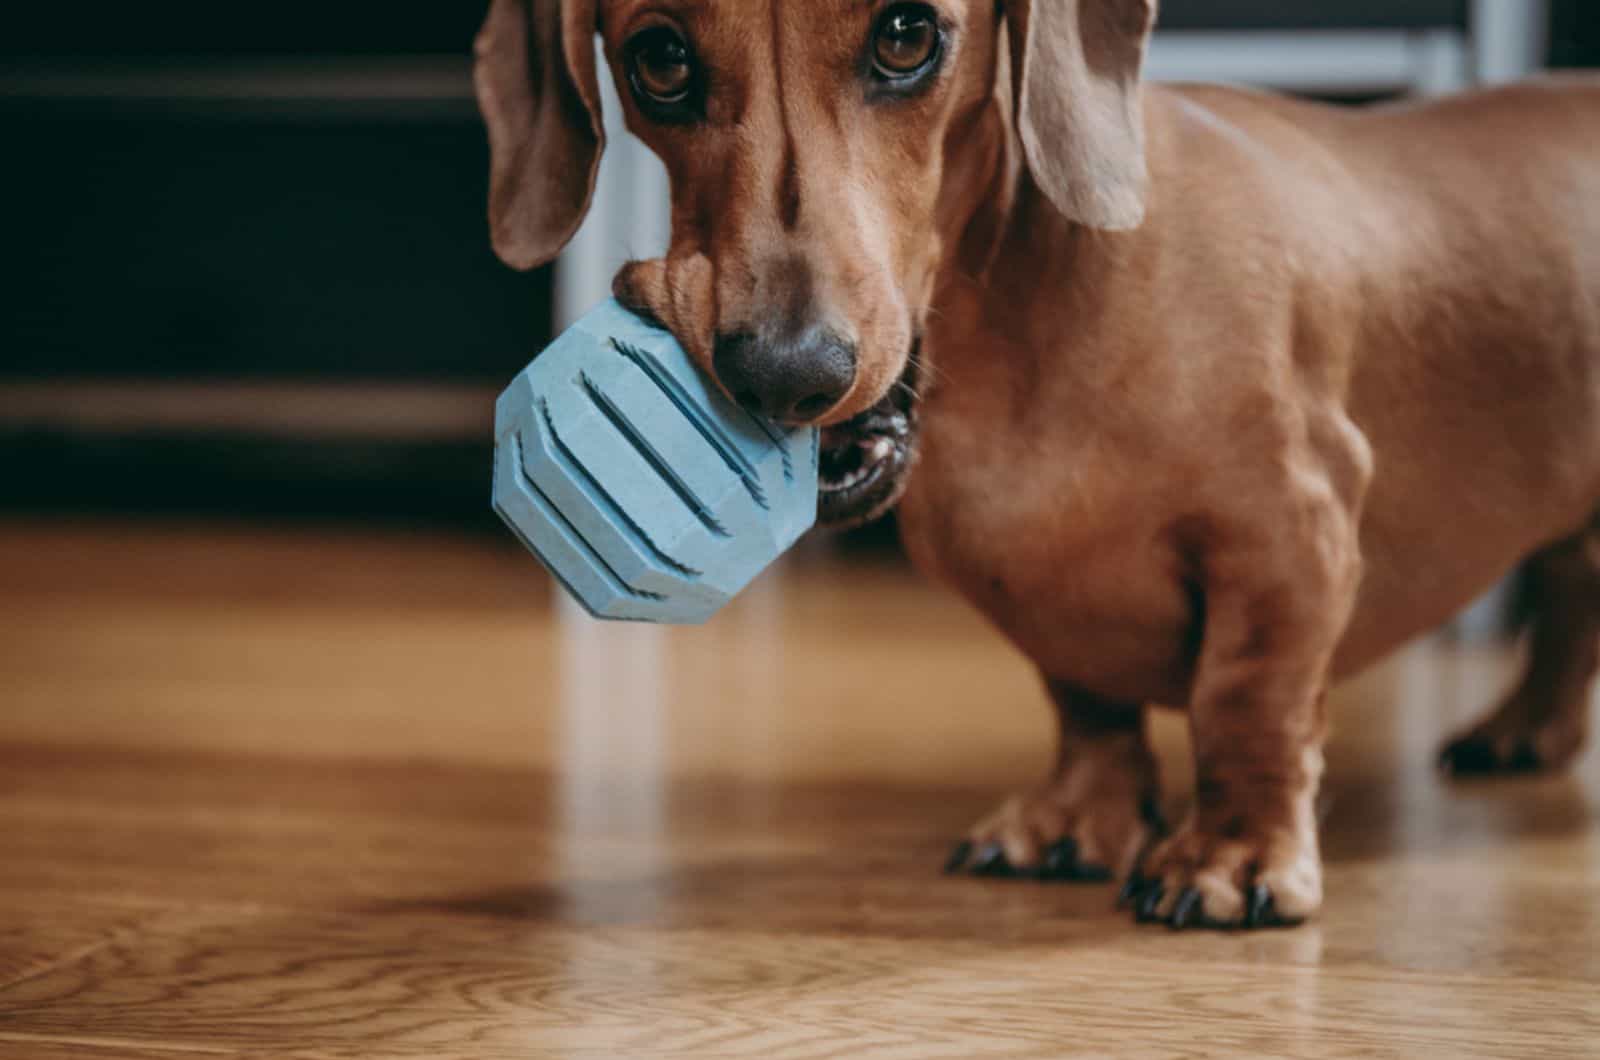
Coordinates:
(648, 494)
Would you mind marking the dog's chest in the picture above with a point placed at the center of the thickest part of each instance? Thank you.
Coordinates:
(1062, 548)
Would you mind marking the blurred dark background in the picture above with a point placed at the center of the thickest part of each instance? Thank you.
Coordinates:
(247, 268)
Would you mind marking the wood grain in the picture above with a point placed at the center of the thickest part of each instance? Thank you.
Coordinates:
(334, 794)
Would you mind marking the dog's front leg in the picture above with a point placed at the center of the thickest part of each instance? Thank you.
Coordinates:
(1092, 817)
(1277, 596)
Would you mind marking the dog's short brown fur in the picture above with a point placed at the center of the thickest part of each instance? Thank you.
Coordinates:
(1225, 395)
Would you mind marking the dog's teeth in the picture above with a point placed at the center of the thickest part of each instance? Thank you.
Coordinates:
(855, 478)
(874, 453)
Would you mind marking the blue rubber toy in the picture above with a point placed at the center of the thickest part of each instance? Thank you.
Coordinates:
(647, 493)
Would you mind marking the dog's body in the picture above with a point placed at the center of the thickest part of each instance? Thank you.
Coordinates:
(1339, 338)
(1222, 395)
(1316, 295)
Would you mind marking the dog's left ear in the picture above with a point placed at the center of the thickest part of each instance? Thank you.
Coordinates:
(1076, 66)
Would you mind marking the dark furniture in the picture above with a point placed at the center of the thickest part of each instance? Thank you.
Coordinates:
(239, 197)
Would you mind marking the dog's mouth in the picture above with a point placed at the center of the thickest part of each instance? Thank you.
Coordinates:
(866, 461)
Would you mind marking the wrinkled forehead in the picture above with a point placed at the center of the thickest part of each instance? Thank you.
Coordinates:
(750, 19)
(730, 30)
(735, 32)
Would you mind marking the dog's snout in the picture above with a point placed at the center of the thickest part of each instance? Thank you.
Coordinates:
(791, 381)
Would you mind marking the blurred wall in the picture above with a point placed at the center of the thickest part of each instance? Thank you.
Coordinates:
(248, 268)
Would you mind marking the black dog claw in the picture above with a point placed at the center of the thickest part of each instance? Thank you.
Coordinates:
(1148, 902)
(1060, 861)
(1259, 910)
(958, 857)
(1524, 759)
(1183, 913)
(1468, 758)
(991, 861)
(1473, 756)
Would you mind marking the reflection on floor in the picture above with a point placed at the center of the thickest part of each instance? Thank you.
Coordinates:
(345, 794)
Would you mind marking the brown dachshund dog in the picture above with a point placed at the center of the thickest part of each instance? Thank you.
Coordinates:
(1213, 397)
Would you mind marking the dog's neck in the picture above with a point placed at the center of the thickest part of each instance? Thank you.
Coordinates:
(1006, 247)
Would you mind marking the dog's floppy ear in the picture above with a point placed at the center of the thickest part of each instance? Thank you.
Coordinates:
(540, 98)
(1075, 67)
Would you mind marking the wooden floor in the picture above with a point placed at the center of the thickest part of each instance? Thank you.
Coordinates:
(346, 794)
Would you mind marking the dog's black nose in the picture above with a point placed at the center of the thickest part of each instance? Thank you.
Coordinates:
(791, 381)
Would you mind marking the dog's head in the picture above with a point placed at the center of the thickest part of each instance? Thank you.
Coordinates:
(824, 155)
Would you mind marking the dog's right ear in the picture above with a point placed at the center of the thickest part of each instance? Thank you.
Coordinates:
(540, 97)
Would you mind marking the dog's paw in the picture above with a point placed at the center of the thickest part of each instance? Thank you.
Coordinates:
(1508, 743)
(1198, 879)
(1088, 839)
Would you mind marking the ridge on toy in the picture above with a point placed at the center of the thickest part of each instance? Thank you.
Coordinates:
(647, 493)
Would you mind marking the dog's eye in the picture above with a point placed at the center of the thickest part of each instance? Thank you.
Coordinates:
(906, 43)
(661, 67)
